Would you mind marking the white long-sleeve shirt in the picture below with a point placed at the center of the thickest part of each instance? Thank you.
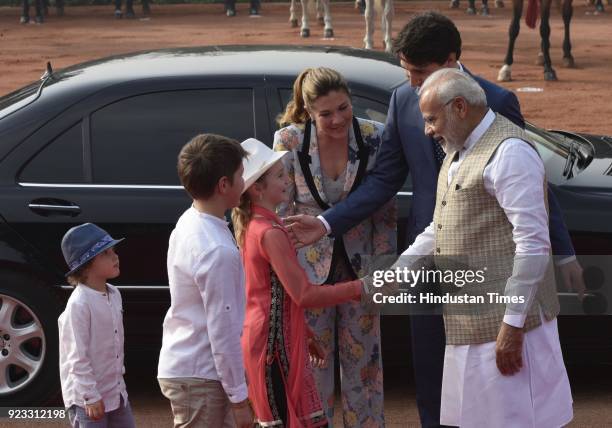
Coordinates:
(201, 333)
(91, 348)
(515, 177)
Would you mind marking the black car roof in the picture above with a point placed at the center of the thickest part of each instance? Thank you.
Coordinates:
(32, 106)
(66, 86)
(371, 68)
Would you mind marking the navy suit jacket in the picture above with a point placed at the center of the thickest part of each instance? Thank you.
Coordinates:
(406, 149)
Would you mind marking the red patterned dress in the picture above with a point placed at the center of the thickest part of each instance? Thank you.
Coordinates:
(282, 388)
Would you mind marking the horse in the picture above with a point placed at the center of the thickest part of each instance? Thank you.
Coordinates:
(323, 17)
(504, 74)
(386, 22)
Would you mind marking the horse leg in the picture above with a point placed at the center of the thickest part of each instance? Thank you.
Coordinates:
(292, 17)
(549, 72)
(328, 31)
(568, 59)
(599, 7)
(387, 24)
(320, 13)
(505, 73)
(369, 15)
(305, 31)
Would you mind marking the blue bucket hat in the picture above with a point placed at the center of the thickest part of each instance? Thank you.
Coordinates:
(84, 242)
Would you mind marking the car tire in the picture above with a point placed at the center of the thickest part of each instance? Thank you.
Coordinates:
(29, 358)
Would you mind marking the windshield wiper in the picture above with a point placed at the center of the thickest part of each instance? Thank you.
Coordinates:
(47, 76)
(572, 155)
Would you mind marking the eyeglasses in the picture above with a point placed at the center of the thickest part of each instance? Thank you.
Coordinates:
(431, 120)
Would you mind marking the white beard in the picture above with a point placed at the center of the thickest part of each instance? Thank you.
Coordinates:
(455, 140)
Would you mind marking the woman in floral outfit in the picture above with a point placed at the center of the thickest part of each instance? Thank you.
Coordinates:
(330, 152)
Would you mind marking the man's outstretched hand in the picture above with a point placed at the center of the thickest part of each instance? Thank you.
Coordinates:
(304, 229)
(572, 278)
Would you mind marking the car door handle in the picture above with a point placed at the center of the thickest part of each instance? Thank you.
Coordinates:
(60, 208)
(48, 208)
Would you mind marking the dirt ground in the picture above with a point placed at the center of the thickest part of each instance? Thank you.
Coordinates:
(579, 101)
(591, 391)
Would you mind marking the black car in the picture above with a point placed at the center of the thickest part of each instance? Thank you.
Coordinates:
(97, 142)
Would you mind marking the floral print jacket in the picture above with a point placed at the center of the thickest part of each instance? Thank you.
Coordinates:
(374, 236)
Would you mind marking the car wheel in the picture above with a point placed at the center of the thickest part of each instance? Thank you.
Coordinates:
(29, 367)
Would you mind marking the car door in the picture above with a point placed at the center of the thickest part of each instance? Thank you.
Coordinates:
(112, 161)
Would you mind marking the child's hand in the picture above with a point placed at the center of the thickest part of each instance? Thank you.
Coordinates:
(316, 353)
(95, 411)
(243, 414)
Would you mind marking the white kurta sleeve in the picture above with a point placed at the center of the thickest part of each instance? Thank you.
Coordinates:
(515, 176)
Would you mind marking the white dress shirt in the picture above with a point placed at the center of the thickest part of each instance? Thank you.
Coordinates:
(515, 177)
(91, 348)
(201, 333)
(474, 392)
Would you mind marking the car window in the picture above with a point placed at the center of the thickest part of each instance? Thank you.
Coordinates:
(362, 107)
(60, 161)
(137, 140)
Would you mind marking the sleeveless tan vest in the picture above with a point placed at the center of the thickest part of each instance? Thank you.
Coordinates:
(472, 232)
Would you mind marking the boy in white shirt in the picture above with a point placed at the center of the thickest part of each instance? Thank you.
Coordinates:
(201, 368)
(91, 333)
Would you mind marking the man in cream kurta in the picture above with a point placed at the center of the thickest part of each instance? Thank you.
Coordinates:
(503, 366)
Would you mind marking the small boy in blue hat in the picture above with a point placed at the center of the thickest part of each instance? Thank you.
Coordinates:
(91, 333)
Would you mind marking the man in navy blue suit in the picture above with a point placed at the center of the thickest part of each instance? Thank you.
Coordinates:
(428, 42)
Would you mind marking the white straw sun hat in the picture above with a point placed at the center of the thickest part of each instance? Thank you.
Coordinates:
(259, 159)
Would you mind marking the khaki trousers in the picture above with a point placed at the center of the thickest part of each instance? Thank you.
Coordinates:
(197, 403)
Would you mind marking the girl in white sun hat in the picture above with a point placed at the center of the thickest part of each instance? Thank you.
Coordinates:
(277, 344)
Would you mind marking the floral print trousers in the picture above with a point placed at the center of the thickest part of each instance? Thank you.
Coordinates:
(361, 376)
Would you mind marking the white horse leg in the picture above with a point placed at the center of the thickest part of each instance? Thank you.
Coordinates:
(387, 24)
(320, 13)
(292, 17)
(305, 31)
(369, 15)
(328, 29)
(505, 73)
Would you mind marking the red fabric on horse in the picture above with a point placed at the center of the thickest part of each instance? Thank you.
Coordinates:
(533, 10)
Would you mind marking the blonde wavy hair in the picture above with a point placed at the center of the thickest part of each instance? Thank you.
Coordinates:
(311, 84)
(242, 214)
